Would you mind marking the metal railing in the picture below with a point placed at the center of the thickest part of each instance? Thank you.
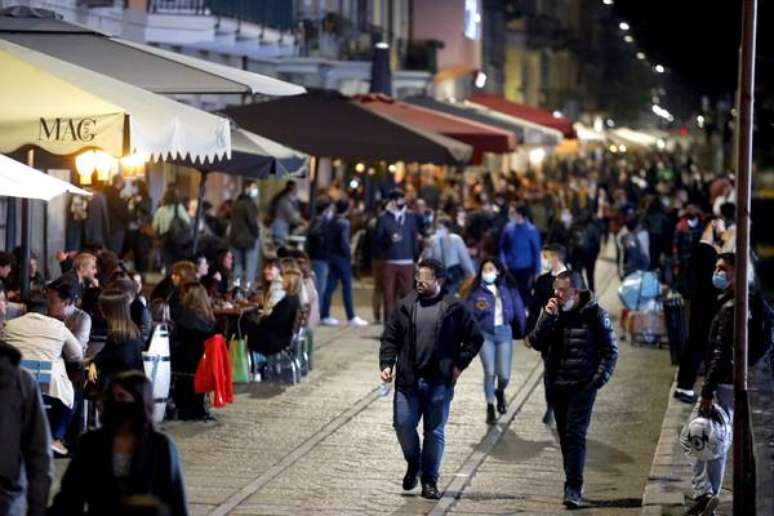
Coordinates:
(179, 6)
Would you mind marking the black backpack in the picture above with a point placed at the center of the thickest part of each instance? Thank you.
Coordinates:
(316, 239)
(180, 232)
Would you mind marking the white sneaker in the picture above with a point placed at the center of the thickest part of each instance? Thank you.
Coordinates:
(58, 447)
(357, 322)
(329, 321)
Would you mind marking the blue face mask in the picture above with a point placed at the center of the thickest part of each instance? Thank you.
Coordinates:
(720, 280)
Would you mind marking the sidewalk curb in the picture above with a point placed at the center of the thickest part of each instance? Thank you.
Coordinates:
(670, 472)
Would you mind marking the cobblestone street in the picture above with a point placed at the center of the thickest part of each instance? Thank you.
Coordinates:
(327, 445)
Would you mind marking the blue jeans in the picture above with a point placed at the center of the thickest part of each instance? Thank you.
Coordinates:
(246, 263)
(572, 410)
(496, 356)
(320, 268)
(340, 269)
(429, 401)
(708, 475)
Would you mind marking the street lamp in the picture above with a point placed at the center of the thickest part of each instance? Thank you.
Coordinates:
(640, 56)
(607, 2)
(623, 26)
(659, 68)
(628, 39)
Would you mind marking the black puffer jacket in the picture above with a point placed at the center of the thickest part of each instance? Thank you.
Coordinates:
(458, 340)
(580, 345)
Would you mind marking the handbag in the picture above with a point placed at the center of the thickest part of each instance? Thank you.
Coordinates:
(237, 353)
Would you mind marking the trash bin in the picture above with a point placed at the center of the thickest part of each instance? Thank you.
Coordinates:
(677, 331)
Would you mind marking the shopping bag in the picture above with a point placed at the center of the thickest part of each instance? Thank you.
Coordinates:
(237, 353)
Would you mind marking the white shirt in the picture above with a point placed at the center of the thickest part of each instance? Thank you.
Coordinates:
(43, 338)
(498, 316)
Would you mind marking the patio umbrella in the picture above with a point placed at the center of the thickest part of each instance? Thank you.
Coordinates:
(526, 132)
(483, 138)
(254, 157)
(19, 180)
(328, 124)
(144, 66)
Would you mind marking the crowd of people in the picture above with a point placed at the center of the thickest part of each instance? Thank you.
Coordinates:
(459, 268)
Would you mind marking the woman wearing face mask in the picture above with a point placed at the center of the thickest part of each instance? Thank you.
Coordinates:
(127, 456)
(499, 310)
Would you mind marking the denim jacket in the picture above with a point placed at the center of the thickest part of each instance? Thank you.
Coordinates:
(481, 302)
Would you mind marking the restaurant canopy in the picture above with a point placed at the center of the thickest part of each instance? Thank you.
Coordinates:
(328, 124)
(150, 68)
(64, 108)
(529, 113)
(256, 157)
(19, 180)
(483, 138)
(526, 132)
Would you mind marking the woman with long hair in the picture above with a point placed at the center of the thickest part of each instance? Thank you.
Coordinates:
(498, 309)
(124, 345)
(274, 332)
(272, 285)
(127, 456)
(194, 324)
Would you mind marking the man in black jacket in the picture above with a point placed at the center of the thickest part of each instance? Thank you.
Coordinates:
(433, 339)
(579, 343)
(244, 235)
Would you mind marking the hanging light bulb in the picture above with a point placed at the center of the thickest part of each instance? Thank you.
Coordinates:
(85, 165)
(104, 164)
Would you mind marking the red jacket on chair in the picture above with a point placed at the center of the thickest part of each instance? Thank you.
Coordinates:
(214, 372)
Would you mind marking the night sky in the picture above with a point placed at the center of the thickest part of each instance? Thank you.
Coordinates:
(698, 40)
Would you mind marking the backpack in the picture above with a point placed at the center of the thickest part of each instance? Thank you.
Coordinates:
(180, 233)
(316, 239)
(761, 331)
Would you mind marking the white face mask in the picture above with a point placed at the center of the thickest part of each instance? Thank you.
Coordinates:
(545, 265)
(253, 193)
(568, 305)
(441, 232)
(489, 277)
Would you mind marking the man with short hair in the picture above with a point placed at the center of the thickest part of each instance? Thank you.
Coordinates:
(244, 234)
(552, 263)
(520, 250)
(432, 339)
(578, 339)
(62, 294)
(398, 235)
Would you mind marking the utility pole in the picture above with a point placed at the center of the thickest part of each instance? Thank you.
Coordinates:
(744, 462)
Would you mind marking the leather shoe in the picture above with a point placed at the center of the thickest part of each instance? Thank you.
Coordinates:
(430, 491)
(410, 479)
(491, 418)
(501, 406)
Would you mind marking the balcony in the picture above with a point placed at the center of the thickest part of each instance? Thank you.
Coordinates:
(178, 7)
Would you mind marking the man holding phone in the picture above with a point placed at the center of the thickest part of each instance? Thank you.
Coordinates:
(579, 344)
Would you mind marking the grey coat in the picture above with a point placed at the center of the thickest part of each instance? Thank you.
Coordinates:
(26, 464)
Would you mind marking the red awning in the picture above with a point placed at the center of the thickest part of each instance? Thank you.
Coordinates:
(483, 138)
(525, 112)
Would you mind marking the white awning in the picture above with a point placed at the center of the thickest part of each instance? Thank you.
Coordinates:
(158, 127)
(534, 134)
(147, 67)
(19, 180)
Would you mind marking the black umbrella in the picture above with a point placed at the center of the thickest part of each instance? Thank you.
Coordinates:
(328, 124)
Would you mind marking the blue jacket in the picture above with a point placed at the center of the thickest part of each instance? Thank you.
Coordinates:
(481, 302)
(520, 247)
(398, 241)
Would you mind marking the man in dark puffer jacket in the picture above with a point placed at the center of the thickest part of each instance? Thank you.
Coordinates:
(577, 336)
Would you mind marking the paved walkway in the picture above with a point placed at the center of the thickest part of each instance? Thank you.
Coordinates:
(327, 446)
